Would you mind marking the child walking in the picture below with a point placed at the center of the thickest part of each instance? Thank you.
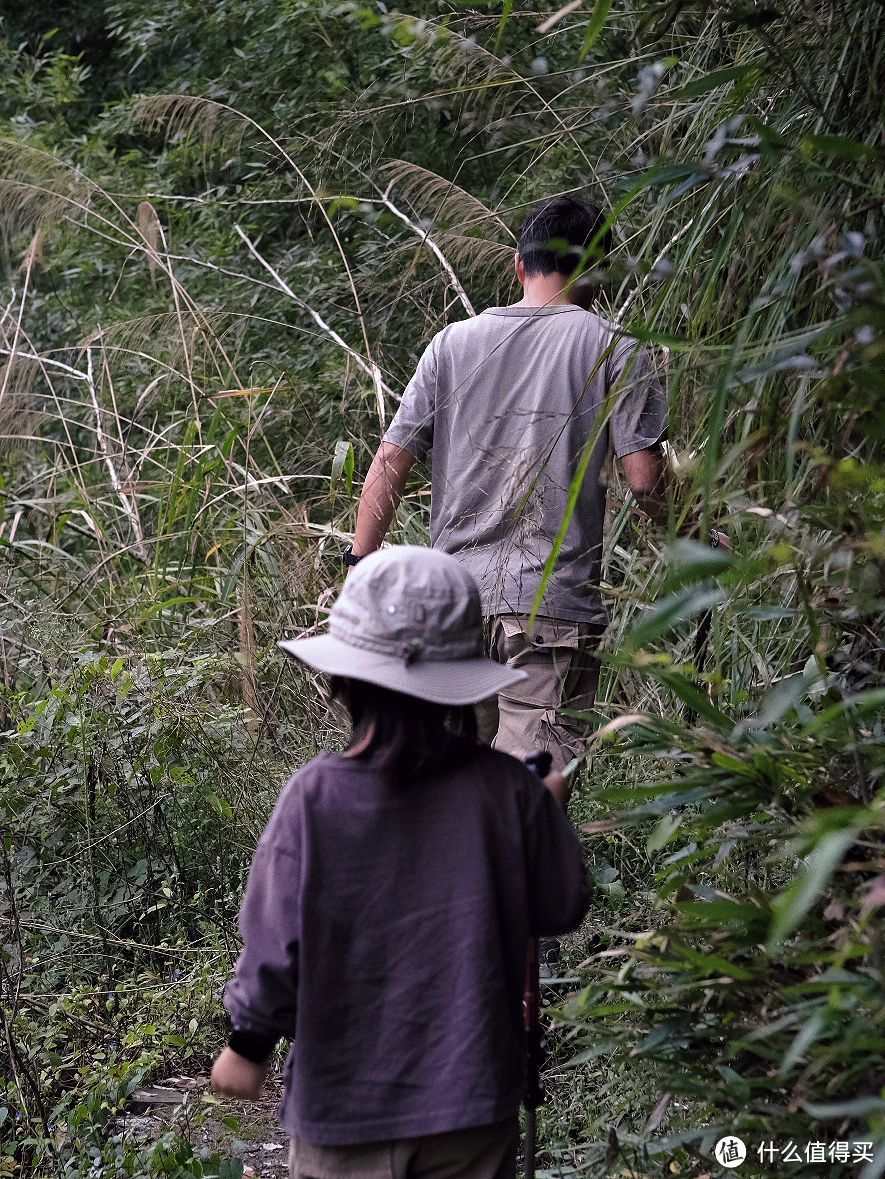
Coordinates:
(392, 895)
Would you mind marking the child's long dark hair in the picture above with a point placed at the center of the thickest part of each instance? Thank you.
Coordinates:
(406, 735)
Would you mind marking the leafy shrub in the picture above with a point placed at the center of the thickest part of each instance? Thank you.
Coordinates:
(215, 301)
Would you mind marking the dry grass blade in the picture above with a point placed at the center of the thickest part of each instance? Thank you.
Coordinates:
(148, 224)
(181, 113)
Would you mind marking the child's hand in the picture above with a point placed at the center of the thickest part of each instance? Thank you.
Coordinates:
(234, 1076)
(560, 786)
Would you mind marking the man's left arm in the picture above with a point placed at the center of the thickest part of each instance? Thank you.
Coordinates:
(646, 475)
(638, 425)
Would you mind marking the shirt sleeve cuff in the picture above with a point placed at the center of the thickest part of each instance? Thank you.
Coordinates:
(408, 441)
(637, 444)
(251, 1046)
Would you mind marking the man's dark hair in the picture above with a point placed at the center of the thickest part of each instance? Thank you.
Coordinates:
(555, 236)
(406, 735)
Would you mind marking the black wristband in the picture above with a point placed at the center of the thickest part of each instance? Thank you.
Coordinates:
(351, 559)
(252, 1046)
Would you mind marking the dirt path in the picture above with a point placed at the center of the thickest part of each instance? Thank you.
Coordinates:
(247, 1131)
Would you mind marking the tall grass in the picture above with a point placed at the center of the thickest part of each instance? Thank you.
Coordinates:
(193, 381)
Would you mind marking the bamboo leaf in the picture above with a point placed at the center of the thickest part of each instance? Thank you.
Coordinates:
(836, 145)
(663, 832)
(860, 1107)
(502, 24)
(805, 1037)
(598, 17)
(693, 697)
(677, 607)
(691, 562)
(795, 902)
(857, 706)
(712, 81)
(342, 466)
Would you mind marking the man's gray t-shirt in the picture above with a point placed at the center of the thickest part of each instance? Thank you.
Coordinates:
(507, 402)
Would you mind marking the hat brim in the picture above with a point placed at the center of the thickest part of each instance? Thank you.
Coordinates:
(441, 681)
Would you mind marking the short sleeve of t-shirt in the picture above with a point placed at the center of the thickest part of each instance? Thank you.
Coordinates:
(412, 426)
(639, 418)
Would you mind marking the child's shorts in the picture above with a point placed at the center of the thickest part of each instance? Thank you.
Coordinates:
(482, 1152)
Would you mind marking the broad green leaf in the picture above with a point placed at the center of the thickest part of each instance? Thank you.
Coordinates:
(836, 145)
(692, 696)
(709, 964)
(596, 24)
(663, 832)
(712, 81)
(713, 914)
(342, 465)
(691, 561)
(675, 608)
(342, 203)
(647, 335)
(795, 903)
(602, 1048)
(654, 1039)
(776, 703)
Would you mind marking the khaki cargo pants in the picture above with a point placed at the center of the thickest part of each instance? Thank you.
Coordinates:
(562, 672)
(482, 1152)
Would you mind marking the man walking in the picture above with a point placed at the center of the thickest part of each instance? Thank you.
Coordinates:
(508, 402)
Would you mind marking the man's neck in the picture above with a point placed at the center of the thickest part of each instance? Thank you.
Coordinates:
(546, 290)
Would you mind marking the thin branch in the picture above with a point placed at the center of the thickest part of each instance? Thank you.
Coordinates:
(128, 507)
(434, 249)
(368, 367)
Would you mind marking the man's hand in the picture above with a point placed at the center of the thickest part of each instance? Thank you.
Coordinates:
(234, 1076)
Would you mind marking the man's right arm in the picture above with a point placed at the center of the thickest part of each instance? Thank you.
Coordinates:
(380, 497)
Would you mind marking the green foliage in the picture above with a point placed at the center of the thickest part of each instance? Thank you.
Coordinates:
(217, 292)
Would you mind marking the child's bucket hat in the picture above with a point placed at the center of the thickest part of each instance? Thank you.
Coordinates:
(409, 619)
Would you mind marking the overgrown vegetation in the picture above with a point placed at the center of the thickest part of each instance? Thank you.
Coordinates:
(214, 295)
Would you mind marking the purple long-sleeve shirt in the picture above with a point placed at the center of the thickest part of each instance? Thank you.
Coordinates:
(385, 926)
